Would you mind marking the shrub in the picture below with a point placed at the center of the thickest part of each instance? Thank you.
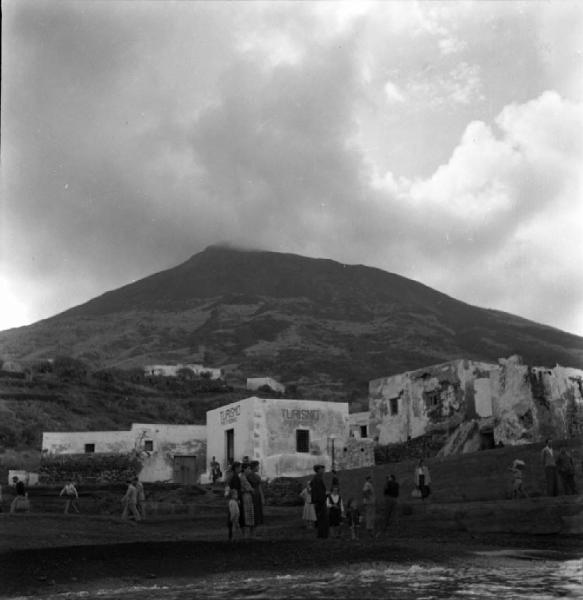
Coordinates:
(67, 367)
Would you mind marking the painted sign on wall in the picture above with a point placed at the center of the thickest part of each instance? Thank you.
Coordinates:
(297, 414)
(230, 415)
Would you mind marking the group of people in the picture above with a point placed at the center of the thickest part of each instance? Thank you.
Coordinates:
(329, 514)
(561, 467)
(245, 499)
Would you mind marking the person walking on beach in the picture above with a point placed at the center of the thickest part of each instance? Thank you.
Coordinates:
(71, 497)
(353, 519)
(422, 479)
(335, 511)
(254, 479)
(318, 488)
(141, 495)
(369, 505)
(130, 502)
(566, 471)
(20, 500)
(308, 513)
(247, 508)
(233, 515)
(391, 493)
(550, 467)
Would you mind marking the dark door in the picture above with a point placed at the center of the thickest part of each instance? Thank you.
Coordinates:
(185, 470)
(230, 445)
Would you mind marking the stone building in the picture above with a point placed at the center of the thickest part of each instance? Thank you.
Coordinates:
(288, 437)
(170, 453)
(473, 405)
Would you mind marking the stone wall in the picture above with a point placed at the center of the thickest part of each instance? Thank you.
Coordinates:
(88, 468)
(354, 454)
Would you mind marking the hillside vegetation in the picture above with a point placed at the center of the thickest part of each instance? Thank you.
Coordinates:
(75, 399)
(322, 325)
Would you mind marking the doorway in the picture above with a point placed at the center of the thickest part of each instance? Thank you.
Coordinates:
(230, 446)
(486, 440)
(185, 470)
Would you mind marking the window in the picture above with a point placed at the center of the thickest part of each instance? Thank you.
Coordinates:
(149, 446)
(432, 400)
(394, 406)
(363, 431)
(302, 440)
(89, 448)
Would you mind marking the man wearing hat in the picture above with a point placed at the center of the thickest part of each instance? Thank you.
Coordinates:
(318, 488)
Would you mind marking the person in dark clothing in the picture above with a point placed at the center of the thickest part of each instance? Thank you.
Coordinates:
(566, 471)
(335, 480)
(20, 501)
(254, 479)
(319, 496)
(391, 493)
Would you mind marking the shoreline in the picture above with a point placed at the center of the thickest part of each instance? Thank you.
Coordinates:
(91, 552)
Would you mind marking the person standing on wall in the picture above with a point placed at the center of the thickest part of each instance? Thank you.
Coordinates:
(422, 479)
(550, 467)
(319, 494)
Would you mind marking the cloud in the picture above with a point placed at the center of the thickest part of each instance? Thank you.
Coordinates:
(394, 94)
(503, 211)
(139, 134)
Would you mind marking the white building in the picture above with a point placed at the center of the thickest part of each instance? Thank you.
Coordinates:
(287, 437)
(170, 453)
(173, 370)
(256, 383)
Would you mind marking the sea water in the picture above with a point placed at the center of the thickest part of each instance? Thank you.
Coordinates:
(518, 576)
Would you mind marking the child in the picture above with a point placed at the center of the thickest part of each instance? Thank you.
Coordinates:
(233, 514)
(353, 518)
(517, 472)
(309, 512)
(335, 511)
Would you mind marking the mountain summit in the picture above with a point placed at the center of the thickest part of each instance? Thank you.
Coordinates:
(316, 322)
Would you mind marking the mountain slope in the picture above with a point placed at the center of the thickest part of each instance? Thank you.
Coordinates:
(326, 326)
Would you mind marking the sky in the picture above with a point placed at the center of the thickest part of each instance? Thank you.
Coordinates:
(439, 141)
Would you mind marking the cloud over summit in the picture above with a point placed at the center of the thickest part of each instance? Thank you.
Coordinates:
(396, 135)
